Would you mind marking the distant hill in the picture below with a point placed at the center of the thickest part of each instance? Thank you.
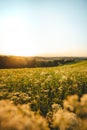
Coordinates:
(26, 62)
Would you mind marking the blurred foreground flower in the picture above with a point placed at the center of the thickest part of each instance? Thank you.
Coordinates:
(74, 114)
(19, 118)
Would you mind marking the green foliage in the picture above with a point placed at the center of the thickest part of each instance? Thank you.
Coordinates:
(44, 89)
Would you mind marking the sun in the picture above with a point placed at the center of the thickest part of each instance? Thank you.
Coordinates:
(17, 39)
(19, 50)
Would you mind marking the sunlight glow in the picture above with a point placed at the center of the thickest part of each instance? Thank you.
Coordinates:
(43, 28)
(15, 37)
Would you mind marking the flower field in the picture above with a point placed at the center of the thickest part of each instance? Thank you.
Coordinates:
(51, 98)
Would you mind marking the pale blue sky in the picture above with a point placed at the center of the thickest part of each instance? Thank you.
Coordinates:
(43, 27)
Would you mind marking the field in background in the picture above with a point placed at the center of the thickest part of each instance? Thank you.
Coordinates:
(7, 62)
(44, 90)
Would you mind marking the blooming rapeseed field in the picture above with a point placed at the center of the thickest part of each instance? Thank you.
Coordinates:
(44, 98)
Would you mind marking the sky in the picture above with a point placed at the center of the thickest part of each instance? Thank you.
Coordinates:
(43, 27)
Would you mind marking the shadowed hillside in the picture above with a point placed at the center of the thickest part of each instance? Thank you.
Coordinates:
(27, 62)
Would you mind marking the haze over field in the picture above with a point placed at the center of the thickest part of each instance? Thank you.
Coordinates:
(43, 27)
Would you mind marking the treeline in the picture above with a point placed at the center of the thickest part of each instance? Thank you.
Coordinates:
(30, 62)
